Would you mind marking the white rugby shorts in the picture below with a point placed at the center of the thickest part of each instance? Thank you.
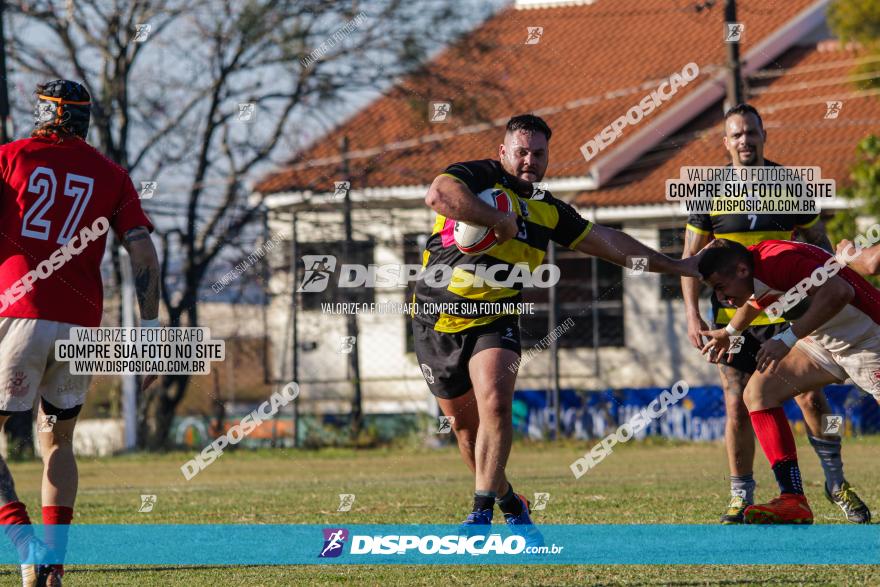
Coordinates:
(28, 367)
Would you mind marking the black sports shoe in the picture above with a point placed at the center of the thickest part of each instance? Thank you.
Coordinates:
(847, 500)
(735, 510)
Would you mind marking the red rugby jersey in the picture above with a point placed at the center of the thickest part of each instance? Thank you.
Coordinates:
(54, 193)
(781, 265)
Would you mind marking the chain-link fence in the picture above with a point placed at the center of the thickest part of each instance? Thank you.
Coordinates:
(601, 343)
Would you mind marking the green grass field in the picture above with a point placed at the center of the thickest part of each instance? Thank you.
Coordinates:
(643, 483)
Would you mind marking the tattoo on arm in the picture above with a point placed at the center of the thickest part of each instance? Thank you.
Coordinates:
(688, 244)
(693, 243)
(145, 268)
(146, 285)
(135, 234)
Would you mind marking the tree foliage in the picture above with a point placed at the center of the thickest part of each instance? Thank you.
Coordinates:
(167, 107)
(858, 21)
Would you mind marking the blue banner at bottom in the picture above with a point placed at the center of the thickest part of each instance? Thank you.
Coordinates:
(212, 544)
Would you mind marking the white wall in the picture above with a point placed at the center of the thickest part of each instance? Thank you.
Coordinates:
(391, 378)
(657, 351)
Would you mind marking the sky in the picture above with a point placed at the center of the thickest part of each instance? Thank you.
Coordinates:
(164, 76)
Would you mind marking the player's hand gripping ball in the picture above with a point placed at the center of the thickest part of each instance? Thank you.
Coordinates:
(472, 239)
(718, 345)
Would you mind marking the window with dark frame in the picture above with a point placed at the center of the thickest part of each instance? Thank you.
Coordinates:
(671, 245)
(576, 300)
(413, 245)
(360, 253)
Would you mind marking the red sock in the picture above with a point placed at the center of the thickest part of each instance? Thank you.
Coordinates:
(14, 512)
(774, 433)
(14, 516)
(56, 537)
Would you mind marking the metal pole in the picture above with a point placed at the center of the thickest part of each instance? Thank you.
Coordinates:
(351, 319)
(594, 285)
(264, 278)
(294, 308)
(20, 425)
(734, 78)
(554, 343)
(5, 119)
(266, 275)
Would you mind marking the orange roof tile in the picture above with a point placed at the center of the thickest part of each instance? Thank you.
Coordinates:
(791, 97)
(592, 64)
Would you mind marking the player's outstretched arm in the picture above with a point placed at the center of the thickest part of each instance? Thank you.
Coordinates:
(615, 246)
(145, 268)
(690, 289)
(867, 262)
(454, 199)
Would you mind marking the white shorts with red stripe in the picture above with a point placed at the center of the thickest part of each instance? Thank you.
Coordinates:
(28, 367)
(855, 358)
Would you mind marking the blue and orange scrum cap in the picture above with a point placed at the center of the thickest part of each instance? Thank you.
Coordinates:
(63, 105)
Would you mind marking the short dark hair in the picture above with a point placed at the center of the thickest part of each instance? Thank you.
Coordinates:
(742, 110)
(529, 123)
(722, 258)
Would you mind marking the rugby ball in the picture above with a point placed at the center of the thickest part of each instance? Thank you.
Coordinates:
(474, 240)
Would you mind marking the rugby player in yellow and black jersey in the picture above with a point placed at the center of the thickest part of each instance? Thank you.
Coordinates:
(469, 357)
(744, 140)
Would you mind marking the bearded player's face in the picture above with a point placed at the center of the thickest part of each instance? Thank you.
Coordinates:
(744, 140)
(525, 155)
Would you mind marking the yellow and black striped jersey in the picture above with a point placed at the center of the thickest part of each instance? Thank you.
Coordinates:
(748, 230)
(542, 218)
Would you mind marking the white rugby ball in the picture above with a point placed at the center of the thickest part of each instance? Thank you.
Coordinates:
(474, 240)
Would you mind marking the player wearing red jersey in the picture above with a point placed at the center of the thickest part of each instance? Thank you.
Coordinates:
(745, 139)
(60, 197)
(837, 338)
